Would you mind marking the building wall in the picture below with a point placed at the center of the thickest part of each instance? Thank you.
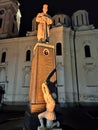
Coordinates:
(87, 65)
(17, 69)
(70, 89)
(76, 50)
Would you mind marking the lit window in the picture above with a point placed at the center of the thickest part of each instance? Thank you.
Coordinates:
(3, 57)
(28, 55)
(58, 49)
(87, 51)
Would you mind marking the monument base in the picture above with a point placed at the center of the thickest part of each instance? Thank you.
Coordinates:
(37, 107)
(31, 121)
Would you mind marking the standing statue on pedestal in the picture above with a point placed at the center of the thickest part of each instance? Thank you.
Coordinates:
(44, 21)
(49, 114)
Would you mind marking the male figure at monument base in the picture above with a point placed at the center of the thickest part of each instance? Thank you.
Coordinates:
(44, 20)
(49, 114)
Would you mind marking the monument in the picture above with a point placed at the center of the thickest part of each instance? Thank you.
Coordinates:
(43, 79)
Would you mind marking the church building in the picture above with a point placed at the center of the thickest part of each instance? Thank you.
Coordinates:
(76, 46)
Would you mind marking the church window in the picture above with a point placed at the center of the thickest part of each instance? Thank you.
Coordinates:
(59, 20)
(28, 55)
(87, 51)
(3, 57)
(58, 49)
(0, 22)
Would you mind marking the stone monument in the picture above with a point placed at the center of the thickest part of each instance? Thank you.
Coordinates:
(43, 79)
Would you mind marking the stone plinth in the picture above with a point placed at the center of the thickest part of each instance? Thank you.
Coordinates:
(43, 63)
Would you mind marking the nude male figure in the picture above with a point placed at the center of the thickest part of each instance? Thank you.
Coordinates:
(49, 114)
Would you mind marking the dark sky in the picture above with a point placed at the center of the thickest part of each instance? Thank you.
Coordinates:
(30, 8)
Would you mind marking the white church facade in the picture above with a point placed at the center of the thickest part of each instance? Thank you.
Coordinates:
(76, 47)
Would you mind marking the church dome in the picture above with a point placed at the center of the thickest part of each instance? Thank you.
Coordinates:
(61, 19)
(80, 18)
(80, 21)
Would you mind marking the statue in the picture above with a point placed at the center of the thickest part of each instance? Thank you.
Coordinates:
(44, 21)
(49, 114)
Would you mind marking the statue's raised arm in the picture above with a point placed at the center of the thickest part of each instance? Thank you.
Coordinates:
(44, 21)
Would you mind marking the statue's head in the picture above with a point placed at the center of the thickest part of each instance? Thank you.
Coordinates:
(45, 8)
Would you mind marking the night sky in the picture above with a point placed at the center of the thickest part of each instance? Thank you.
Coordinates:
(30, 8)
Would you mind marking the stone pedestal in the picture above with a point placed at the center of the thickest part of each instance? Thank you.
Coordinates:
(43, 63)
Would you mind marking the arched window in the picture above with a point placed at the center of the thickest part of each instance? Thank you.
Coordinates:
(87, 51)
(3, 57)
(58, 49)
(28, 55)
(59, 20)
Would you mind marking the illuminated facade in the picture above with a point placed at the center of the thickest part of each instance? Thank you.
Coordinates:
(76, 45)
